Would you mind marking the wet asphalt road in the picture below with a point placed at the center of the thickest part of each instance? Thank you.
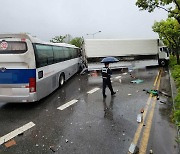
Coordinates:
(92, 125)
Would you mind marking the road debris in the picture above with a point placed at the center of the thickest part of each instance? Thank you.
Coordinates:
(52, 148)
(132, 76)
(157, 97)
(66, 140)
(152, 92)
(133, 148)
(84, 71)
(129, 94)
(142, 110)
(164, 93)
(139, 118)
(10, 143)
(162, 102)
(137, 81)
(150, 151)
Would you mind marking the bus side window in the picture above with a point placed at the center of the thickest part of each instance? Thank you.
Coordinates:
(41, 56)
(58, 54)
(49, 53)
(67, 55)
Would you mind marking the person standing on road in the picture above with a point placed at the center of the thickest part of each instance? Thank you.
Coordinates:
(106, 75)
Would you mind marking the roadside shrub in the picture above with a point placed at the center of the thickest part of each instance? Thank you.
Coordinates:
(172, 61)
(175, 69)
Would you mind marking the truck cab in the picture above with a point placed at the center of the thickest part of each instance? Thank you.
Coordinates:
(163, 56)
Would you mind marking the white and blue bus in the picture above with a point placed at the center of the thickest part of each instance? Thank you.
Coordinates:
(31, 69)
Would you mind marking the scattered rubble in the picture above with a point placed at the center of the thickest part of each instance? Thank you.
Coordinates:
(133, 149)
(137, 81)
(10, 143)
(139, 118)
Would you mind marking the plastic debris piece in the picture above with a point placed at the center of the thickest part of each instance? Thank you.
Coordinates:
(129, 94)
(139, 118)
(152, 92)
(37, 145)
(150, 151)
(133, 148)
(137, 81)
(10, 143)
(66, 140)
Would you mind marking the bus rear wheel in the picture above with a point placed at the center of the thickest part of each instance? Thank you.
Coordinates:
(61, 80)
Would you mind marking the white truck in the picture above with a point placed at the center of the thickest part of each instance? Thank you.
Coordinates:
(96, 49)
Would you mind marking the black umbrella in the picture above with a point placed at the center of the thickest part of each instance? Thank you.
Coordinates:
(109, 60)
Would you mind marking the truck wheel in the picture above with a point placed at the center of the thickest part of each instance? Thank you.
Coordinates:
(162, 63)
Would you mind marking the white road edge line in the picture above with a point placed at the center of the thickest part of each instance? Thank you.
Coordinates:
(17, 131)
(62, 107)
(93, 90)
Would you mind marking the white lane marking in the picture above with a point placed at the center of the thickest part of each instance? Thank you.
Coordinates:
(62, 107)
(17, 131)
(93, 90)
(117, 77)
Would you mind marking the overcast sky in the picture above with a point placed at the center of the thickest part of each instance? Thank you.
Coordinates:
(48, 18)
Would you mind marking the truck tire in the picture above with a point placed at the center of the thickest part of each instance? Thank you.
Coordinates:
(162, 62)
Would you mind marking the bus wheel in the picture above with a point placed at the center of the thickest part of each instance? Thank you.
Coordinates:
(61, 80)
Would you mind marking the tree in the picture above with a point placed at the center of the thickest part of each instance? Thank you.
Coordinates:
(58, 39)
(169, 33)
(77, 41)
(151, 5)
(62, 39)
